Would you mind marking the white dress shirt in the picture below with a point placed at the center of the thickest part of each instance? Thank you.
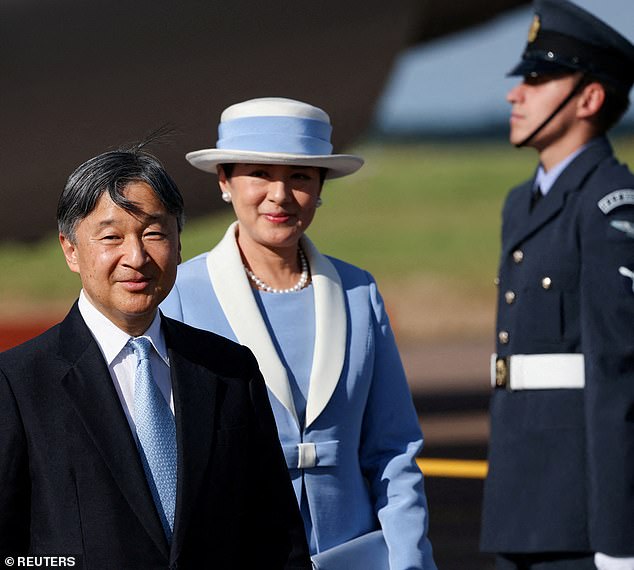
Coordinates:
(120, 357)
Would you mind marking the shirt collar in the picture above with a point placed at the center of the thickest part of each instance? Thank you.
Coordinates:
(110, 338)
(546, 180)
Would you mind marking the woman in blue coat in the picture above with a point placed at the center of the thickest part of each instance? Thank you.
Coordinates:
(318, 328)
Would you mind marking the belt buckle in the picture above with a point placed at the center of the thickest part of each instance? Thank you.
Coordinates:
(502, 372)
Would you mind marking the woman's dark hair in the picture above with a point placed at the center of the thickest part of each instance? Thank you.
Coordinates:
(228, 170)
(112, 172)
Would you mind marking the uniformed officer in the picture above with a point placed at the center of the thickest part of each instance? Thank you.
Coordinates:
(560, 489)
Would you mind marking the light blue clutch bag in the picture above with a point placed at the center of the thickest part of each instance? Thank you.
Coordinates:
(366, 552)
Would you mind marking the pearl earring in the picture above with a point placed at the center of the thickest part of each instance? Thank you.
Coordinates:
(226, 197)
(319, 202)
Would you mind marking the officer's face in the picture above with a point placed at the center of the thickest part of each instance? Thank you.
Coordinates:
(533, 100)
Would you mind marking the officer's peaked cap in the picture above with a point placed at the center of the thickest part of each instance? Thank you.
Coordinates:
(564, 37)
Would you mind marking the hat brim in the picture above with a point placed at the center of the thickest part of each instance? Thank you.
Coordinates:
(528, 67)
(338, 165)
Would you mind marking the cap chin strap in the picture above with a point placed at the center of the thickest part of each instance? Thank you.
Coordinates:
(575, 90)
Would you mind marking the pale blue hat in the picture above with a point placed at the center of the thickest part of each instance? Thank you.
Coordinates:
(274, 130)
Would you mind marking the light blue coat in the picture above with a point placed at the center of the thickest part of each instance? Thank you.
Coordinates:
(355, 455)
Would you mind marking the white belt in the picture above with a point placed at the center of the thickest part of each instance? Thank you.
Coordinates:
(538, 371)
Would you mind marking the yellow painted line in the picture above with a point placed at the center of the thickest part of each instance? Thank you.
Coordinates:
(459, 468)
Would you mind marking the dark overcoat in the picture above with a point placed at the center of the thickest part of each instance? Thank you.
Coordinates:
(562, 460)
(72, 483)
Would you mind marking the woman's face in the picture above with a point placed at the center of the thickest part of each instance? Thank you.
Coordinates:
(274, 203)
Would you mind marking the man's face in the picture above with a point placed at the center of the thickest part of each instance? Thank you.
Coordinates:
(127, 263)
(533, 100)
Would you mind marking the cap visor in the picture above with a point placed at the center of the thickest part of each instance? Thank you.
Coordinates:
(538, 67)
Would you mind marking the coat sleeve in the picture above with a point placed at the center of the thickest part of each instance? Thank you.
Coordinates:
(391, 440)
(275, 515)
(14, 477)
(607, 333)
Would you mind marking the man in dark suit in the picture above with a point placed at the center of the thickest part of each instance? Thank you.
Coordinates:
(129, 440)
(560, 488)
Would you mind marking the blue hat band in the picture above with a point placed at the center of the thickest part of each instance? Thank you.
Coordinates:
(291, 135)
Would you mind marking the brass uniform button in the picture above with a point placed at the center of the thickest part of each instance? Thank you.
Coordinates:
(547, 282)
(496, 281)
(503, 337)
(518, 256)
(509, 297)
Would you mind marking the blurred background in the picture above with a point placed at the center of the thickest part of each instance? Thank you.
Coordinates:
(415, 86)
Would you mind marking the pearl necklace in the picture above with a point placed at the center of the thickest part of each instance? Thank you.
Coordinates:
(303, 279)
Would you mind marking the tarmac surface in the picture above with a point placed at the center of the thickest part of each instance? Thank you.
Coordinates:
(450, 388)
(449, 384)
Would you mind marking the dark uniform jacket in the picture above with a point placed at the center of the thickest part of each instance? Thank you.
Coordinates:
(562, 461)
(72, 483)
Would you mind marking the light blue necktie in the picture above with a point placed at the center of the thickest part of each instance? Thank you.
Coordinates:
(156, 431)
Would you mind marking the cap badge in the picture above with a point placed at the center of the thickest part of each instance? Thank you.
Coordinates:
(534, 29)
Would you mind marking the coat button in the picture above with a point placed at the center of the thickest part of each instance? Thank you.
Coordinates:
(518, 256)
(547, 282)
(503, 337)
(509, 297)
(496, 281)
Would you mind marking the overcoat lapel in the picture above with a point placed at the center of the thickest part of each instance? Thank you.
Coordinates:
(194, 388)
(235, 296)
(571, 179)
(549, 206)
(89, 386)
